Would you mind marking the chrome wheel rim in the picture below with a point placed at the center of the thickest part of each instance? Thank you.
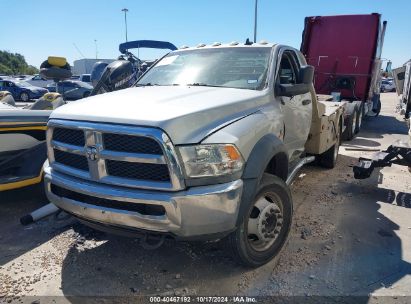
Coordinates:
(24, 97)
(354, 123)
(359, 120)
(265, 222)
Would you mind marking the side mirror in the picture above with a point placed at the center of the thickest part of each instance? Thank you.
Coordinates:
(290, 90)
(305, 80)
(306, 74)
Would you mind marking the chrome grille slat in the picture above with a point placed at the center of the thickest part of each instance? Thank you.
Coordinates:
(151, 162)
(67, 147)
(133, 157)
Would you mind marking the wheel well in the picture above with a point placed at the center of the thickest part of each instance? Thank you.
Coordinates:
(278, 166)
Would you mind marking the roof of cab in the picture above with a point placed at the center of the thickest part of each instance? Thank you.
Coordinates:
(234, 44)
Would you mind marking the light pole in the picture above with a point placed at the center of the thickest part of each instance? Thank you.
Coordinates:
(95, 43)
(125, 10)
(255, 21)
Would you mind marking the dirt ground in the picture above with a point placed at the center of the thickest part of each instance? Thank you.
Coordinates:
(349, 238)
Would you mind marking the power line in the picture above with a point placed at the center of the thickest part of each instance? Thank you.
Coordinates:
(78, 50)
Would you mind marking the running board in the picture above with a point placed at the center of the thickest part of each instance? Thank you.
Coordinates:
(300, 164)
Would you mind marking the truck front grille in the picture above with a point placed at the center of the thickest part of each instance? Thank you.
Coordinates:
(71, 160)
(69, 136)
(114, 154)
(138, 170)
(131, 144)
(144, 209)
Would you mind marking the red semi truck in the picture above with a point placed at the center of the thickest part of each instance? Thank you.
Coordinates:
(346, 53)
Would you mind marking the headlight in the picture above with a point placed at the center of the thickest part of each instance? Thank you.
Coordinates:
(211, 160)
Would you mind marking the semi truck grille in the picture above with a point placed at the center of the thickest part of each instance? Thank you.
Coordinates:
(114, 154)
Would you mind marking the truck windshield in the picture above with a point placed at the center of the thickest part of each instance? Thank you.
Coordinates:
(233, 67)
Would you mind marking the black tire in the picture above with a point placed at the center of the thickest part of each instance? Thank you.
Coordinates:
(351, 125)
(377, 110)
(329, 158)
(24, 96)
(244, 245)
(359, 119)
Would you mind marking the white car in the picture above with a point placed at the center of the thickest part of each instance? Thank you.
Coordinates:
(39, 81)
(387, 85)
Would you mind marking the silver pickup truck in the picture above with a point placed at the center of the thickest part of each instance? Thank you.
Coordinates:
(202, 148)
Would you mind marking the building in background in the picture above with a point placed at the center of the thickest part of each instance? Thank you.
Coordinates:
(84, 66)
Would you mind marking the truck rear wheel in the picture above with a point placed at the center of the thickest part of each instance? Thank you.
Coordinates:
(359, 119)
(265, 228)
(351, 125)
(329, 158)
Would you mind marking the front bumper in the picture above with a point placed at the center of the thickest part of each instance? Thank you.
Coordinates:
(196, 212)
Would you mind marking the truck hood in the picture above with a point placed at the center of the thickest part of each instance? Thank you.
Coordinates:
(186, 114)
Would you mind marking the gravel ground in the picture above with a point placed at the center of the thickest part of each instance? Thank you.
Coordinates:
(349, 238)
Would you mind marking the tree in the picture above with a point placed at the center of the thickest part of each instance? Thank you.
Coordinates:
(13, 64)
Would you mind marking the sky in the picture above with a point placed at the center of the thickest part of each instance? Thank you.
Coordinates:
(41, 28)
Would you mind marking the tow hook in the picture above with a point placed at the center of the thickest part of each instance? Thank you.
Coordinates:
(152, 242)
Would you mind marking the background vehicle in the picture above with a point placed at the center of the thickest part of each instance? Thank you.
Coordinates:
(387, 85)
(22, 90)
(204, 147)
(402, 79)
(23, 140)
(72, 89)
(346, 54)
(37, 80)
(85, 78)
(124, 72)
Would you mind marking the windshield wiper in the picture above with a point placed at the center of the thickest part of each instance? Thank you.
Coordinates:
(201, 84)
(148, 84)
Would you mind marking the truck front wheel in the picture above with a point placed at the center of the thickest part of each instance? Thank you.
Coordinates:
(265, 227)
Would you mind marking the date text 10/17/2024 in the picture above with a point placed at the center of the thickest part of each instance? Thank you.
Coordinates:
(202, 299)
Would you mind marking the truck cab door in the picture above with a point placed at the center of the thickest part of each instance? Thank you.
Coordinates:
(297, 110)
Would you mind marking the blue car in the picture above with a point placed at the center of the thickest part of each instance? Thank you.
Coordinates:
(21, 90)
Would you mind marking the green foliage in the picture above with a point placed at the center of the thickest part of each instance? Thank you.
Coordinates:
(14, 64)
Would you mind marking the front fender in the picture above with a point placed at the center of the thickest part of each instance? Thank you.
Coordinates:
(268, 148)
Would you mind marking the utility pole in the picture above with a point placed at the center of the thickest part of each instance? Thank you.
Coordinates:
(255, 21)
(95, 43)
(125, 10)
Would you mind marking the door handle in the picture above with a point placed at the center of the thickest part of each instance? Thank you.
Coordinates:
(306, 102)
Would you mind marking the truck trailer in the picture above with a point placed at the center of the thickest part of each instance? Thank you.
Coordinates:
(402, 79)
(346, 54)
